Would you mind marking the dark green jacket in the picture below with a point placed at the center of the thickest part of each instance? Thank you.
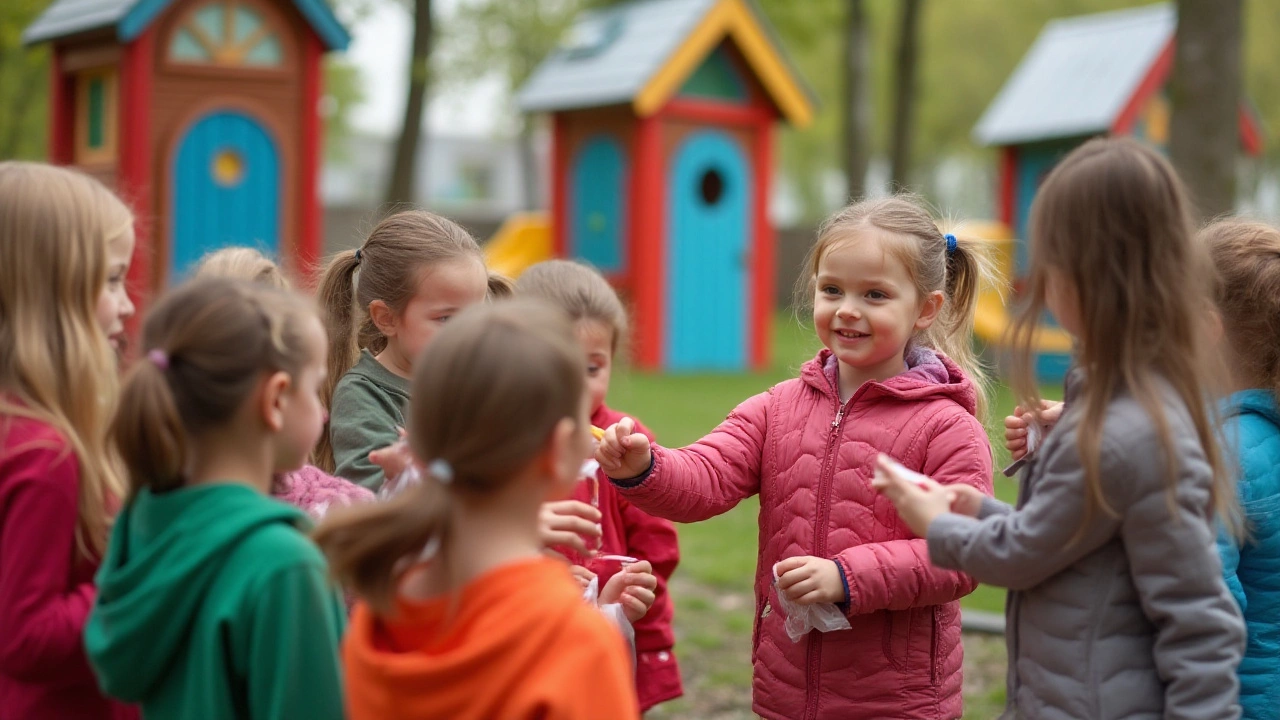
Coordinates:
(368, 404)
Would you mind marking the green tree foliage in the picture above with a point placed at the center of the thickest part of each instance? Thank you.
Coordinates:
(24, 84)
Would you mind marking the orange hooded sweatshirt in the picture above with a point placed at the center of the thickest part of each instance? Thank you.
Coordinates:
(518, 644)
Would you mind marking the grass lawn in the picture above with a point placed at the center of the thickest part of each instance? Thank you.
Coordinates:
(712, 587)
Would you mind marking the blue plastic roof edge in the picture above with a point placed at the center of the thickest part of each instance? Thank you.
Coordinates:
(317, 13)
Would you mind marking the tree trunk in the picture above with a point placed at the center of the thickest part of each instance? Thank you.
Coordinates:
(857, 118)
(528, 165)
(1204, 133)
(400, 188)
(905, 93)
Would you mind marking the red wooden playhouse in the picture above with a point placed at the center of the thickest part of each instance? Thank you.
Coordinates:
(203, 114)
(663, 116)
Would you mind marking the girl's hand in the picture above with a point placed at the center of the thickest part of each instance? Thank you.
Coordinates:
(564, 523)
(1017, 426)
(808, 580)
(582, 575)
(624, 453)
(632, 587)
(965, 499)
(919, 499)
(394, 458)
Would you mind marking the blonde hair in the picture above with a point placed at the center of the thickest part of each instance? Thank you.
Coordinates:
(55, 226)
(1113, 219)
(243, 263)
(390, 261)
(1246, 256)
(509, 370)
(579, 290)
(216, 337)
(958, 273)
(500, 286)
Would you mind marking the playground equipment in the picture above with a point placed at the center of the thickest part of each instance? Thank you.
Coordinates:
(204, 114)
(523, 240)
(1100, 74)
(663, 114)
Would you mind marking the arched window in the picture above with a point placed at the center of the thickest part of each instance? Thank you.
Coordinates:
(227, 33)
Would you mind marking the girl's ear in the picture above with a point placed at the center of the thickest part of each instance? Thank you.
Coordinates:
(274, 398)
(929, 309)
(561, 460)
(383, 318)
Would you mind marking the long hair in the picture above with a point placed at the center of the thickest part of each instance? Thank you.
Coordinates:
(56, 364)
(1246, 256)
(486, 397)
(1113, 220)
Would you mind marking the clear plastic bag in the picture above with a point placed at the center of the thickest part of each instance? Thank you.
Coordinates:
(800, 619)
(613, 613)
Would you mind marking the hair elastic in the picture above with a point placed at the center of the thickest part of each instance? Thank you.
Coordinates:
(951, 243)
(440, 470)
(159, 358)
(359, 255)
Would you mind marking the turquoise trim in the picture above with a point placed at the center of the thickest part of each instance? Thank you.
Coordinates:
(716, 79)
(317, 13)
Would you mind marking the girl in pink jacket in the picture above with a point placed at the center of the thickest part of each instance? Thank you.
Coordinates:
(893, 302)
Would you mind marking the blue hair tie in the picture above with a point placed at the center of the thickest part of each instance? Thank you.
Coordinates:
(951, 243)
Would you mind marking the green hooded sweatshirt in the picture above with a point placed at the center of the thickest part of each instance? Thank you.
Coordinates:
(212, 604)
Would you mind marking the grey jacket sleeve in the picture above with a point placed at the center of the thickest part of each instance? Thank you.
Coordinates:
(1174, 563)
(1018, 549)
(362, 420)
(992, 506)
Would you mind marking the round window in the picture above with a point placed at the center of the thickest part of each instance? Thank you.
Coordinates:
(711, 187)
(228, 168)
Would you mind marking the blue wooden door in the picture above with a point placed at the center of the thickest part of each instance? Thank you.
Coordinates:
(597, 204)
(226, 190)
(709, 228)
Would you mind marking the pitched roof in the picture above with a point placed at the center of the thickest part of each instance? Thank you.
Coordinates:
(1078, 75)
(129, 18)
(639, 52)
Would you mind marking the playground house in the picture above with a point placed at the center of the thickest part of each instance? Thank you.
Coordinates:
(663, 114)
(204, 114)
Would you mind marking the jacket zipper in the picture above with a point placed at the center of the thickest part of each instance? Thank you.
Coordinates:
(820, 550)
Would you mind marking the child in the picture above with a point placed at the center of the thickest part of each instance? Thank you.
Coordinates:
(1117, 607)
(416, 270)
(489, 627)
(601, 324)
(309, 488)
(890, 292)
(65, 245)
(210, 595)
(1247, 258)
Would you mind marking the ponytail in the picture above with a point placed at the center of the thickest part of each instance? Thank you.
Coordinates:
(337, 297)
(147, 430)
(371, 546)
(500, 286)
(969, 267)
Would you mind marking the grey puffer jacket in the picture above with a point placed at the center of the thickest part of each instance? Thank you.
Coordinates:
(1131, 621)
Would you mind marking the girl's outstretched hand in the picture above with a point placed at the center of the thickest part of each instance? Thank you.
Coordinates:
(624, 453)
(808, 580)
(632, 587)
(1017, 427)
(919, 499)
(564, 523)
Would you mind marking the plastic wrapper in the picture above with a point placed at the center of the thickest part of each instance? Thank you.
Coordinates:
(613, 613)
(801, 619)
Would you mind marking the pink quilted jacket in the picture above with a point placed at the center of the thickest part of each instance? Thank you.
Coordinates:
(810, 459)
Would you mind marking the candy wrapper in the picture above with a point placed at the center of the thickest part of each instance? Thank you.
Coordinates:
(801, 619)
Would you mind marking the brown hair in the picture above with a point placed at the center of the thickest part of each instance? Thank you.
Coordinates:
(958, 273)
(390, 261)
(511, 370)
(500, 286)
(1113, 219)
(56, 365)
(242, 263)
(1247, 258)
(213, 340)
(579, 290)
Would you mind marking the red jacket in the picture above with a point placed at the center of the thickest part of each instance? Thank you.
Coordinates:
(629, 530)
(45, 589)
(810, 459)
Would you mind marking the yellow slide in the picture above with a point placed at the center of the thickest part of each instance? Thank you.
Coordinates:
(523, 239)
(993, 315)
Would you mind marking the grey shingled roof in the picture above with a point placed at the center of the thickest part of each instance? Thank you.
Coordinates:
(1077, 76)
(70, 17)
(648, 32)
